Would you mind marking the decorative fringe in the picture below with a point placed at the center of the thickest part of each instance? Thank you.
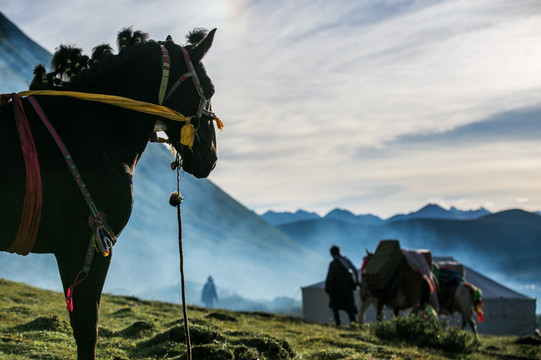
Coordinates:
(127, 38)
(477, 301)
(99, 239)
(71, 289)
(479, 311)
(432, 314)
(175, 199)
(99, 52)
(102, 243)
(187, 134)
(219, 123)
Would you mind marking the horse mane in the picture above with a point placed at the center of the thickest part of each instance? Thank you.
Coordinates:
(70, 69)
(195, 36)
(127, 38)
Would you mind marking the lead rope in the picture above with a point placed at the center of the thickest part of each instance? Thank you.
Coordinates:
(176, 200)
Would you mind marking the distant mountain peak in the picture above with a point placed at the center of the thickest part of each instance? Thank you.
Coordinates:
(515, 215)
(279, 218)
(431, 209)
(348, 216)
(339, 212)
(435, 211)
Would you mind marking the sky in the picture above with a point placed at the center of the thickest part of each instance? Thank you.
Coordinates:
(372, 106)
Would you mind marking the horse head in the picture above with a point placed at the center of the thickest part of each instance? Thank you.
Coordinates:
(177, 81)
(195, 141)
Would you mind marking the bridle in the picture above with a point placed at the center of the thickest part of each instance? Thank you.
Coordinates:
(188, 130)
(164, 95)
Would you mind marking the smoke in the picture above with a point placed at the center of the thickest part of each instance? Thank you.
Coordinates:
(496, 246)
(247, 257)
(250, 259)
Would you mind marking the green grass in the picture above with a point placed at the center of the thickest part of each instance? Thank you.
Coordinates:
(34, 325)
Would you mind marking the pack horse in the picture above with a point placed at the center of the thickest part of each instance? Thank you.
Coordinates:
(69, 147)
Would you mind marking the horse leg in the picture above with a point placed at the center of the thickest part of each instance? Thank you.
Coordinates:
(416, 292)
(379, 307)
(365, 304)
(86, 299)
(464, 304)
(467, 320)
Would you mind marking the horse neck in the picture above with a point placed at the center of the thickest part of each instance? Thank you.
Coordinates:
(104, 136)
(138, 77)
(123, 133)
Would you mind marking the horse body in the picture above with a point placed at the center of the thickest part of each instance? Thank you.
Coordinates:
(99, 160)
(459, 299)
(408, 290)
(105, 143)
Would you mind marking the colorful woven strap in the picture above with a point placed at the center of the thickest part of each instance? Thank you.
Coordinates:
(99, 218)
(103, 237)
(166, 66)
(33, 197)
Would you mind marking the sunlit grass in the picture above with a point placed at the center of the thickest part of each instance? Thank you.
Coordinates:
(35, 325)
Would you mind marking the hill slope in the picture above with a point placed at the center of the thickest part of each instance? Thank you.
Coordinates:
(19, 56)
(222, 238)
(35, 325)
(247, 255)
(244, 254)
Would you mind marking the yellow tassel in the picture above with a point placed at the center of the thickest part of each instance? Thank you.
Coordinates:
(219, 123)
(187, 134)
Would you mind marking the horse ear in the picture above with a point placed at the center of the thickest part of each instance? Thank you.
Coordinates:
(202, 48)
(169, 38)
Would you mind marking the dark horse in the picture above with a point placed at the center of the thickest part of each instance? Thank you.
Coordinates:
(105, 142)
(408, 289)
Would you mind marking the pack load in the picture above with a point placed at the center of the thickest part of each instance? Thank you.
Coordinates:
(383, 265)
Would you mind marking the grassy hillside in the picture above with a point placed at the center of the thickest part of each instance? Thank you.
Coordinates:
(35, 325)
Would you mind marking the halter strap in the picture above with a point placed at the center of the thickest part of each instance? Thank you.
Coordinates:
(190, 74)
(166, 66)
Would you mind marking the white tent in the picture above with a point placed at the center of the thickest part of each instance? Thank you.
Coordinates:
(506, 311)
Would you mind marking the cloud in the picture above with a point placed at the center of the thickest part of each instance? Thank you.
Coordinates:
(510, 126)
(326, 103)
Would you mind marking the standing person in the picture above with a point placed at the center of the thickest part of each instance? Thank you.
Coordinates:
(209, 295)
(340, 285)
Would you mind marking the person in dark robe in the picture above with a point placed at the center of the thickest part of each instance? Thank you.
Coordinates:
(339, 285)
(209, 295)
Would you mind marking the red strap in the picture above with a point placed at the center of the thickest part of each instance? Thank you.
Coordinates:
(33, 197)
(71, 289)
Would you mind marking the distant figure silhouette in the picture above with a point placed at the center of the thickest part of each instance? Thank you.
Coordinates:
(209, 295)
(340, 285)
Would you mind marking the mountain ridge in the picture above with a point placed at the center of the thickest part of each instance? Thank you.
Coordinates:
(489, 243)
(20, 55)
(429, 211)
(249, 256)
